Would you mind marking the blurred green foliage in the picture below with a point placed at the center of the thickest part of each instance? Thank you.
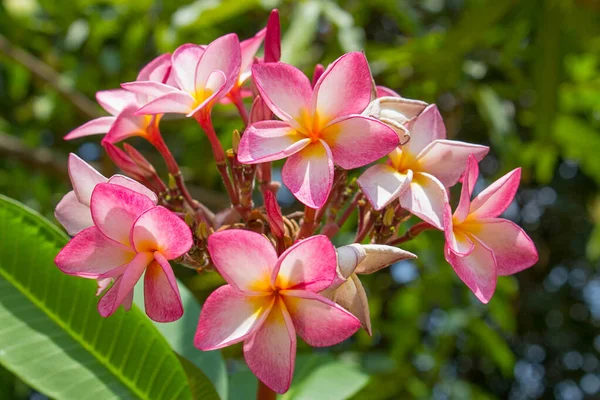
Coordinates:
(520, 76)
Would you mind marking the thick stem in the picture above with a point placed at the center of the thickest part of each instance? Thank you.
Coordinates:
(236, 97)
(413, 232)
(264, 393)
(308, 223)
(366, 229)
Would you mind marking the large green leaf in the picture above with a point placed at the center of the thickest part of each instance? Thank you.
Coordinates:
(180, 335)
(52, 336)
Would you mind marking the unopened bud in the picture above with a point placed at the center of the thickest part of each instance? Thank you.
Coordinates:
(138, 158)
(235, 141)
(259, 111)
(202, 231)
(388, 217)
(125, 163)
(172, 182)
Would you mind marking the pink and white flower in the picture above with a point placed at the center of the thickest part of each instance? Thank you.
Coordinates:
(73, 211)
(268, 300)
(202, 75)
(318, 127)
(130, 236)
(479, 245)
(121, 104)
(419, 172)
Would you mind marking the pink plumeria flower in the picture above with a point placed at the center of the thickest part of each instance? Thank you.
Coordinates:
(383, 91)
(269, 299)
(121, 104)
(130, 235)
(318, 127)
(479, 245)
(419, 172)
(73, 211)
(202, 74)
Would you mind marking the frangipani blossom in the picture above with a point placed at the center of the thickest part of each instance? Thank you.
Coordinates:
(419, 172)
(318, 127)
(347, 289)
(121, 104)
(130, 235)
(202, 75)
(73, 211)
(269, 299)
(479, 245)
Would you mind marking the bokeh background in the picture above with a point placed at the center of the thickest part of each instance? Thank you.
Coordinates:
(520, 76)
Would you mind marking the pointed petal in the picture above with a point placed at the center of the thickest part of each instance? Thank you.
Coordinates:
(458, 242)
(426, 128)
(477, 270)
(84, 178)
(447, 159)
(90, 254)
(352, 297)
(382, 184)
(308, 265)
(156, 70)
(115, 208)
(469, 179)
(103, 284)
(245, 259)
(174, 102)
(496, 198)
(158, 229)
(148, 88)
(379, 256)
(309, 174)
(229, 316)
(513, 249)
(249, 47)
(271, 351)
(73, 215)
(273, 38)
(285, 89)
(274, 216)
(115, 100)
(383, 91)
(185, 60)
(216, 86)
(344, 88)
(426, 198)
(129, 183)
(357, 140)
(396, 109)
(223, 54)
(128, 124)
(94, 127)
(106, 305)
(161, 294)
(319, 321)
(266, 141)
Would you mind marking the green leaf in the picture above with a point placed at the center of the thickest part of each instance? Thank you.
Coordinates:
(494, 346)
(200, 385)
(180, 335)
(51, 335)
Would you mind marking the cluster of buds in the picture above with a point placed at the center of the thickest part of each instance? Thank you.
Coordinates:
(284, 277)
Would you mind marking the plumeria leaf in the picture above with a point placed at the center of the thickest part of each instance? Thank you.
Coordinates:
(77, 352)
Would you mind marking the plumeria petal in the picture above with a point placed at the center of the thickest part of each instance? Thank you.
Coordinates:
(477, 270)
(426, 128)
(308, 265)
(94, 127)
(447, 159)
(379, 256)
(249, 47)
(91, 254)
(72, 214)
(266, 141)
(513, 249)
(382, 184)
(348, 258)
(127, 182)
(229, 316)
(285, 89)
(158, 229)
(115, 100)
(309, 174)
(148, 88)
(185, 61)
(224, 55)
(469, 179)
(273, 38)
(344, 88)
(356, 140)
(383, 91)
(161, 294)
(84, 178)
(156, 70)
(115, 208)
(496, 198)
(271, 351)
(174, 102)
(245, 259)
(351, 296)
(128, 125)
(273, 213)
(318, 320)
(426, 198)
(216, 86)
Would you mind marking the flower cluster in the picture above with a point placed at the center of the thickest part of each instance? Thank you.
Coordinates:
(284, 277)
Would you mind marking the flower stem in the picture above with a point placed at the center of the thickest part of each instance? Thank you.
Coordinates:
(264, 393)
(412, 233)
(308, 223)
(236, 98)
